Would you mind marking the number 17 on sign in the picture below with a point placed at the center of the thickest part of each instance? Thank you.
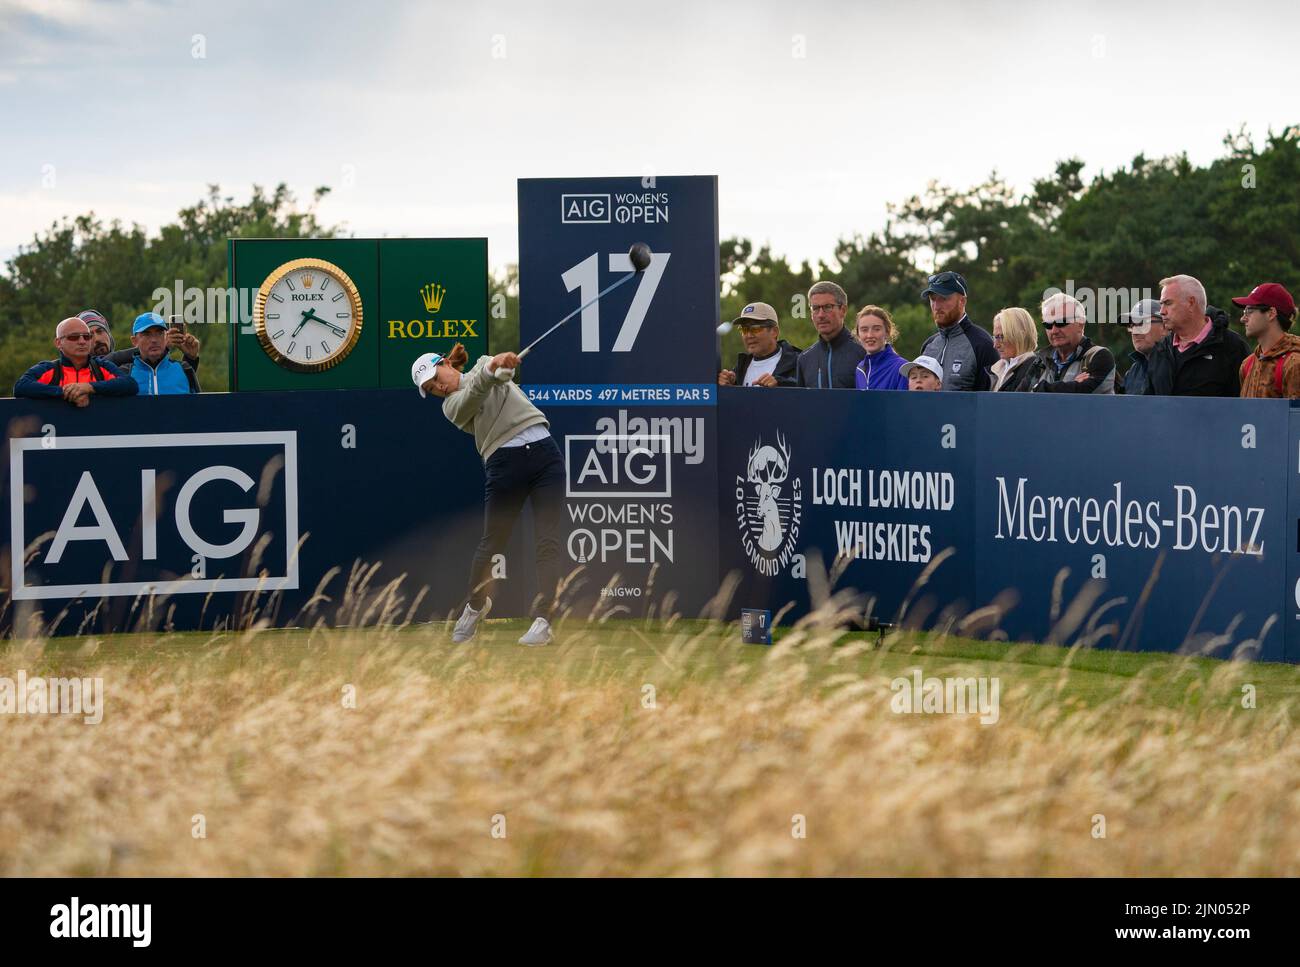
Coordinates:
(585, 279)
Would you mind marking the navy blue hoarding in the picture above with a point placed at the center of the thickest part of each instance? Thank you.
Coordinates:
(574, 236)
(1044, 518)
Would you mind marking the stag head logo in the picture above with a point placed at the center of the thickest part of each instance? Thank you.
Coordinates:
(769, 506)
(767, 469)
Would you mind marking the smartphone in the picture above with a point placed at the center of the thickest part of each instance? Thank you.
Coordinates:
(175, 324)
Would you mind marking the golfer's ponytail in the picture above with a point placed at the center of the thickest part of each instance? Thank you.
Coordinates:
(457, 357)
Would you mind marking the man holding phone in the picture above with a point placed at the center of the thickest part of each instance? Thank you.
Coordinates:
(151, 366)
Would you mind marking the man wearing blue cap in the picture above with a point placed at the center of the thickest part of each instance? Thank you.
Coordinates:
(964, 350)
(157, 373)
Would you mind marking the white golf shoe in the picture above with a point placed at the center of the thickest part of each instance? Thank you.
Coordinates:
(538, 634)
(467, 623)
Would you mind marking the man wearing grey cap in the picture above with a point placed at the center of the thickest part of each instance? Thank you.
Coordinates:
(768, 360)
(964, 350)
(1146, 328)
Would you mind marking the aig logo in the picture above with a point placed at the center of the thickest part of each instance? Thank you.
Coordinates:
(618, 465)
(584, 209)
(153, 514)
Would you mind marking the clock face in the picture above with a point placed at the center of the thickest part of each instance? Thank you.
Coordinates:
(308, 315)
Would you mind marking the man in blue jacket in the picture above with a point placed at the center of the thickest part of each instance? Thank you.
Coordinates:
(157, 373)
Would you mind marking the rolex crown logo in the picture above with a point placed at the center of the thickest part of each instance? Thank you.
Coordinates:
(308, 280)
(433, 294)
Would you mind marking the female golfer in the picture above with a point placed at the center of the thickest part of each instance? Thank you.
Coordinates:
(520, 460)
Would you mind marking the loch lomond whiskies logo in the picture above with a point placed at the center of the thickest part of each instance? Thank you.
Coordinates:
(768, 514)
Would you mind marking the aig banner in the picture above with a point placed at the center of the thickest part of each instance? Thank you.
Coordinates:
(285, 507)
(629, 385)
(99, 528)
(639, 511)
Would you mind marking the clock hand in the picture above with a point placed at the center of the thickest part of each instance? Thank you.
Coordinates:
(311, 314)
(305, 317)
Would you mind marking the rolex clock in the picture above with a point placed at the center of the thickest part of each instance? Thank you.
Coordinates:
(307, 315)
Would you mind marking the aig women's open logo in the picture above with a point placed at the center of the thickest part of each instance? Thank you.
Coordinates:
(768, 515)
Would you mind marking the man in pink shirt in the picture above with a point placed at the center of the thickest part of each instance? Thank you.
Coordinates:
(1201, 356)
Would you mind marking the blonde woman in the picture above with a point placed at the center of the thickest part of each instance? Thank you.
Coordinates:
(1016, 339)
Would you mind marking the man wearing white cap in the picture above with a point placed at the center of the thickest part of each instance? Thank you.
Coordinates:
(521, 462)
(924, 373)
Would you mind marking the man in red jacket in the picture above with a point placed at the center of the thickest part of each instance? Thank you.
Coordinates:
(74, 375)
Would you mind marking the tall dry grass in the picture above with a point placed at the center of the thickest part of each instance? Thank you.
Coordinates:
(251, 733)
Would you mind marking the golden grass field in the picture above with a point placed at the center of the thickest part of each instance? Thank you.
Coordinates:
(556, 752)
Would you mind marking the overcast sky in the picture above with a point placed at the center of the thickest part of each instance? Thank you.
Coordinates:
(421, 116)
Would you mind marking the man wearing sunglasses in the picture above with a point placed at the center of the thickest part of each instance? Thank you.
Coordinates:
(74, 375)
(1074, 364)
(964, 350)
(768, 360)
(1272, 371)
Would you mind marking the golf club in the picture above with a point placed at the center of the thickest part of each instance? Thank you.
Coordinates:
(640, 256)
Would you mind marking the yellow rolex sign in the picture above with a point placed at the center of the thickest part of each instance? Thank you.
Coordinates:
(433, 294)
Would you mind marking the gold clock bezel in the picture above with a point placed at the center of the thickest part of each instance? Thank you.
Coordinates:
(259, 314)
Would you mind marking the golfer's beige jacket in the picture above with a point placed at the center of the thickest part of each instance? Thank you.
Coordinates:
(494, 411)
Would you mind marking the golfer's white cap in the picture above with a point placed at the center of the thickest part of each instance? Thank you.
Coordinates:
(924, 362)
(422, 370)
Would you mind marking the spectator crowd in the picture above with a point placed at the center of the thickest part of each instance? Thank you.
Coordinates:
(1182, 346)
(89, 364)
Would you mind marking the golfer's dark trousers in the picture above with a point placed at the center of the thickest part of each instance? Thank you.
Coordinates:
(514, 474)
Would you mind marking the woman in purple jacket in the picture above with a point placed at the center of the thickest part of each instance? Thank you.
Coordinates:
(879, 368)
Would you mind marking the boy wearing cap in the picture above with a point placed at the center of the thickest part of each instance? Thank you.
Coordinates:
(521, 462)
(964, 351)
(924, 374)
(1272, 371)
(768, 359)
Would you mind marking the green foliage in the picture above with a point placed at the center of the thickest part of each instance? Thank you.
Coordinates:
(81, 263)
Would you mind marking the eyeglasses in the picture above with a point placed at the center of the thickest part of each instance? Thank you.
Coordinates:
(76, 336)
(1247, 310)
(826, 308)
(749, 328)
(1060, 324)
